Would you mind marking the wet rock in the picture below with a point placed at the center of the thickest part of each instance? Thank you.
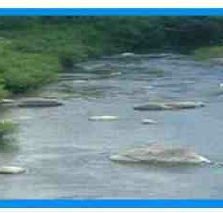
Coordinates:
(8, 102)
(38, 102)
(127, 54)
(12, 170)
(148, 121)
(157, 154)
(166, 55)
(217, 61)
(80, 81)
(103, 118)
(158, 55)
(169, 106)
(56, 95)
(24, 118)
(67, 76)
(114, 74)
(101, 74)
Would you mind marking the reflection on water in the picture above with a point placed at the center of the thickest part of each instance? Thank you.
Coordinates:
(68, 155)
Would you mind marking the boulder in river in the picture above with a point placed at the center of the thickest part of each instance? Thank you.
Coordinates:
(38, 102)
(103, 118)
(12, 170)
(127, 54)
(216, 61)
(148, 121)
(157, 154)
(56, 95)
(169, 106)
(8, 102)
(114, 74)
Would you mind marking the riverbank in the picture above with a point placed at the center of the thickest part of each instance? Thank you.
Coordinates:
(6, 127)
(54, 143)
(33, 54)
(34, 49)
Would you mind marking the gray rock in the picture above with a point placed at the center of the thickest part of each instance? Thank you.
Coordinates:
(166, 55)
(66, 76)
(169, 106)
(127, 54)
(103, 118)
(148, 121)
(217, 61)
(8, 102)
(157, 154)
(38, 102)
(12, 170)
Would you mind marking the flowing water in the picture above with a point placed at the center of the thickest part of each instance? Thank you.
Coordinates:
(68, 156)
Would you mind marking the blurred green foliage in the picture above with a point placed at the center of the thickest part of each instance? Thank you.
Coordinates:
(34, 49)
(6, 128)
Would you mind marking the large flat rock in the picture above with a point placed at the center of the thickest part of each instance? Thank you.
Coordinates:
(158, 154)
(12, 170)
(103, 118)
(169, 105)
(38, 102)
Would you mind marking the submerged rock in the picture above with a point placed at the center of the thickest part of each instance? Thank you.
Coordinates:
(80, 81)
(56, 95)
(166, 55)
(127, 54)
(148, 121)
(114, 74)
(8, 102)
(38, 102)
(103, 118)
(170, 106)
(31, 102)
(217, 61)
(157, 154)
(12, 170)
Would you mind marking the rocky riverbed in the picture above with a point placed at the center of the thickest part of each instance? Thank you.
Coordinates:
(67, 150)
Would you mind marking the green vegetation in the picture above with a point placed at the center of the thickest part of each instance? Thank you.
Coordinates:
(6, 128)
(34, 49)
(204, 53)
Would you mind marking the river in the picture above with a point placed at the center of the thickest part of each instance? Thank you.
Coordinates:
(68, 156)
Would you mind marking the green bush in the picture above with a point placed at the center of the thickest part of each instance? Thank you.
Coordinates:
(6, 128)
(21, 71)
(204, 53)
(34, 49)
(3, 93)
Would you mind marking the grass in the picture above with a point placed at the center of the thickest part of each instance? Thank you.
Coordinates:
(34, 49)
(21, 71)
(6, 128)
(205, 53)
(33, 56)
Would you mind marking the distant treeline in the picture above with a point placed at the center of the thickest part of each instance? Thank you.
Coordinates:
(33, 49)
(137, 33)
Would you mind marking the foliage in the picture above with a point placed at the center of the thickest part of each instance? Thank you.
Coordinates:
(34, 49)
(204, 53)
(6, 128)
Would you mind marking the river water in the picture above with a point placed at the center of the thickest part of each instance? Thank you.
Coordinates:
(68, 156)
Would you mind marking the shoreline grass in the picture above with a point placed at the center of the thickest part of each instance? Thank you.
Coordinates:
(206, 53)
(34, 49)
(6, 128)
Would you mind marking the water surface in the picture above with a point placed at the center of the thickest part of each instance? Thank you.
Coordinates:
(68, 156)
